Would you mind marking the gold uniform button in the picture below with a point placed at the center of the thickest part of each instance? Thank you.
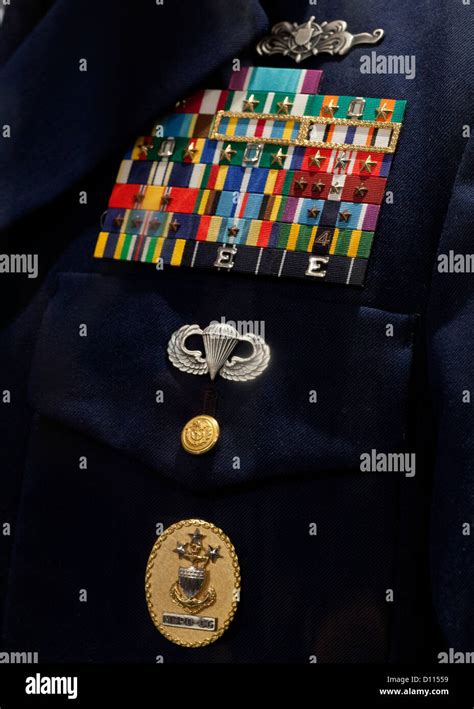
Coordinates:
(192, 583)
(200, 434)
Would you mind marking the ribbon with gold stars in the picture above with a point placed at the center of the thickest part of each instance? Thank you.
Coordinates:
(267, 177)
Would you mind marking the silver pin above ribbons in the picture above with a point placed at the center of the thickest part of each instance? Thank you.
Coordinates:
(310, 38)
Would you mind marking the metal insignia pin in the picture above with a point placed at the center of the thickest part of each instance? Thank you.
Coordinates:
(310, 38)
(201, 433)
(192, 583)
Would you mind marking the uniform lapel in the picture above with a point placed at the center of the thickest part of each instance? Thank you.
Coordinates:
(140, 58)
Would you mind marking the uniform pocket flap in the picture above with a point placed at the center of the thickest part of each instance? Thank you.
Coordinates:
(336, 386)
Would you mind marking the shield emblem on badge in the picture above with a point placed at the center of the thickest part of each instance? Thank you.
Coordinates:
(191, 580)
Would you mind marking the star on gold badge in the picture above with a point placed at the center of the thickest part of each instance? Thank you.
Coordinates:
(317, 159)
(367, 164)
(279, 157)
(228, 153)
(284, 106)
(250, 103)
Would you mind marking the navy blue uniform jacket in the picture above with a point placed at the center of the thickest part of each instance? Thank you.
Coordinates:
(92, 529)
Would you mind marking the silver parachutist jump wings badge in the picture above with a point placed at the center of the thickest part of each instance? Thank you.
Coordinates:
(219, 340)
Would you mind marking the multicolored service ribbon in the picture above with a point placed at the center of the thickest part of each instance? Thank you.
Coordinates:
(265, 178)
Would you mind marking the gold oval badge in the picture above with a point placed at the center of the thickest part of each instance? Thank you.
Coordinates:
(200, 434)
(192, 583)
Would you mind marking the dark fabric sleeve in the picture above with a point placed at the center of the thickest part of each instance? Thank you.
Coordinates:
(451, 370)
